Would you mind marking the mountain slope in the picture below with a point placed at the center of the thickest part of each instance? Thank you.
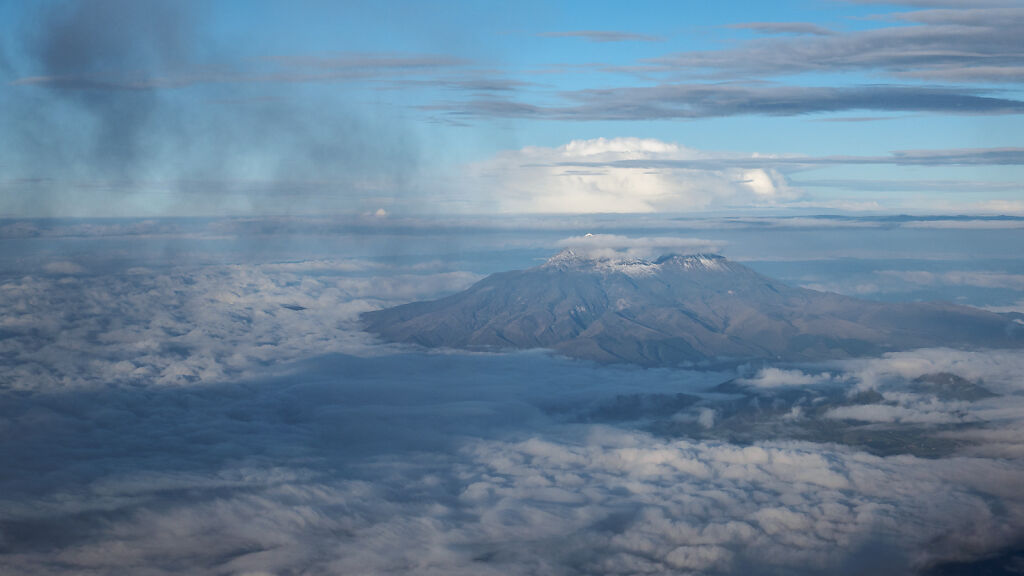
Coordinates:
(675, 310)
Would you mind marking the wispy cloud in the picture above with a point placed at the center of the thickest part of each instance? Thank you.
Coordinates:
(280, 70)
(689, 101)
(967, 186)
(952, 45)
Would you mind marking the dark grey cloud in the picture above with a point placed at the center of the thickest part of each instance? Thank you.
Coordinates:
(602, 36)
(107, 41)
(94, 112)
(687, 101)
(784, 28)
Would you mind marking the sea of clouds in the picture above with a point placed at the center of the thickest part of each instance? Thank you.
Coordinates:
(224, 414)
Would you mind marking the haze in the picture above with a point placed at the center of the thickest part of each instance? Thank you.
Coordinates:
(209, 213)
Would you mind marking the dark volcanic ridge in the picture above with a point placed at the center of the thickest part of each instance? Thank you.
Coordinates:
(679, 310)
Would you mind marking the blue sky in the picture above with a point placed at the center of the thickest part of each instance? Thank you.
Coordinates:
(122, 108)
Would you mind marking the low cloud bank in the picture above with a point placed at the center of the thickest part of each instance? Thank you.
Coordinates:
(193, 324)
(500, 464)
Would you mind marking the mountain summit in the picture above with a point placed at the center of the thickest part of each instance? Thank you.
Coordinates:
(678, 309)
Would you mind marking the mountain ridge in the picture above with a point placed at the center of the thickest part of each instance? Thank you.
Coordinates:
(678, 309)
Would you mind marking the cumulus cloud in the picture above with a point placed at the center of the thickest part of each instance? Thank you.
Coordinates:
(531, 179)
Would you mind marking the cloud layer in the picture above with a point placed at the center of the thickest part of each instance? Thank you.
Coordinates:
(227, 416)
(73, 328)
(345, 467)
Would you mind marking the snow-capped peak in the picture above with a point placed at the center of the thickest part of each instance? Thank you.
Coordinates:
(632, 265)
(696, 261)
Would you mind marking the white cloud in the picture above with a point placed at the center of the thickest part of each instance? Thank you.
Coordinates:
(586, 176)
(603, 501)
(893, 414)
(1000, 370)
(772, 377)
(706, 418)
(613, 245)
(195, 324)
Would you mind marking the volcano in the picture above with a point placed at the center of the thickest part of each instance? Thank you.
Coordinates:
(679, 310)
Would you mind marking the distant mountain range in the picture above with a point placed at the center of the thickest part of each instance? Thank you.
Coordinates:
(678, 310)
